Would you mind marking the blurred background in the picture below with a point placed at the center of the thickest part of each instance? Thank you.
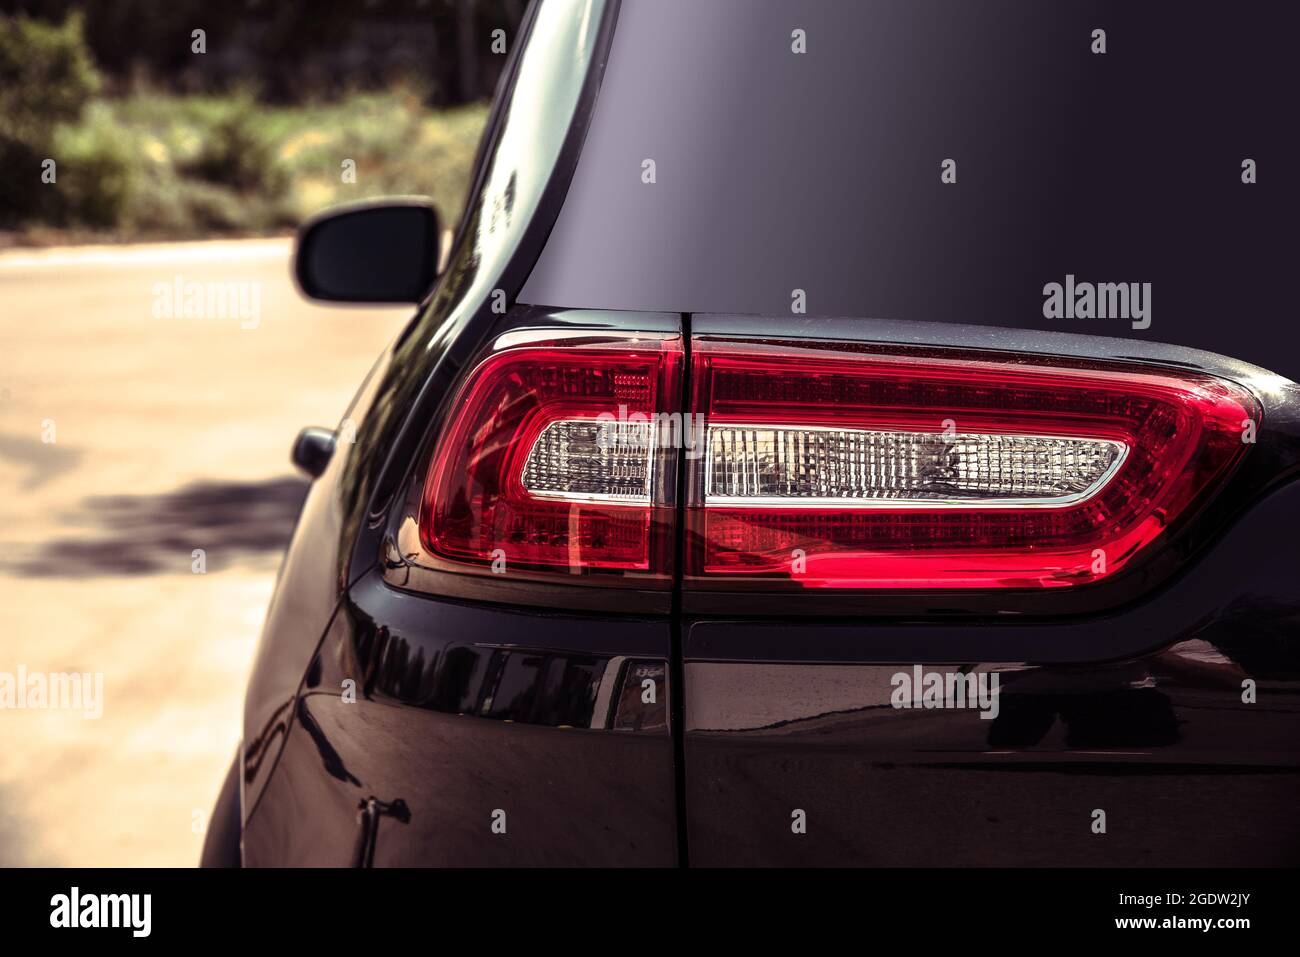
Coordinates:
(140, 157)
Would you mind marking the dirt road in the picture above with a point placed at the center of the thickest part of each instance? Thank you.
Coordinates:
(148, 398)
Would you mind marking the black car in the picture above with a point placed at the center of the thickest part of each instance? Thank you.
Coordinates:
(840, 433)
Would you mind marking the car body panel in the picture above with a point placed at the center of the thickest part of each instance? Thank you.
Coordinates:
(1186, 774)
(1137, 708)
(1140, 714)
(462, 712)
(311, 580)
(527, 157)
(821, 171)
(1130, 702)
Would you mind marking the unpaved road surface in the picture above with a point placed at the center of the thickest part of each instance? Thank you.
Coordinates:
(131, 435)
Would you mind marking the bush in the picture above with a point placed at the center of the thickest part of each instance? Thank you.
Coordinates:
(236, 152)
(46, 78)
(100, 171)
(158, 166)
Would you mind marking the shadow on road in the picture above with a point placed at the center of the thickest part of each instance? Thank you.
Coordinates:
(233, 522)
(43, 461)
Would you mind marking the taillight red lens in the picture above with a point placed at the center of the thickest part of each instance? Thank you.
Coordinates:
(821, 465)
(542, 465)
(833, 467)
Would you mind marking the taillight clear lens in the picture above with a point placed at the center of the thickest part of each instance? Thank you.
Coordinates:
(828, 466)
(545, 463)
(817, 466)
(595, 461)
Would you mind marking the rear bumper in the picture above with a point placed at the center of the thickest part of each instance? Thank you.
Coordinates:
(1143, 715)
(468, 716)
(1185, 773)
(478, 737)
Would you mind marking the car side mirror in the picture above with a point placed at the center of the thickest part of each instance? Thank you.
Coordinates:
(312, 450)
(380, 251)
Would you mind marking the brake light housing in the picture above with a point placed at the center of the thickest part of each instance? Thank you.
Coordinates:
(843, 467)
(544, 465)
(824, 465)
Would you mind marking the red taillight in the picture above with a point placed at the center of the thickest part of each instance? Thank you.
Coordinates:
(819, 465)
(539, 466)
(828, 467)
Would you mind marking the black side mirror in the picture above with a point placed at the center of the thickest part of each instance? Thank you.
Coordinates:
(312, 450)
(381, 251)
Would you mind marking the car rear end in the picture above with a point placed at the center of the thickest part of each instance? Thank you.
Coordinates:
(877, 455)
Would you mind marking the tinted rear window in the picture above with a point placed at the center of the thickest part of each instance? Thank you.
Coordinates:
(821, 170)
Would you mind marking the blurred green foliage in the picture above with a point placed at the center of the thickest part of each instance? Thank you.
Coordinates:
(46, 75)
(46, 78)
(98, 171)
(295, 50)
(149, 165)
(163, 167)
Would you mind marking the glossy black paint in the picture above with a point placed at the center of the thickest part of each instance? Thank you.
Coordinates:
(821, 171)
(474, 696)
(465, 710)
(1140, 714)
(312, 450)
(1186, 774)
(792, 713)
(221, 840)
(516, 195)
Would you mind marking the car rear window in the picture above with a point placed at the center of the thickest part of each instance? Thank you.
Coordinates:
(776, 171)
